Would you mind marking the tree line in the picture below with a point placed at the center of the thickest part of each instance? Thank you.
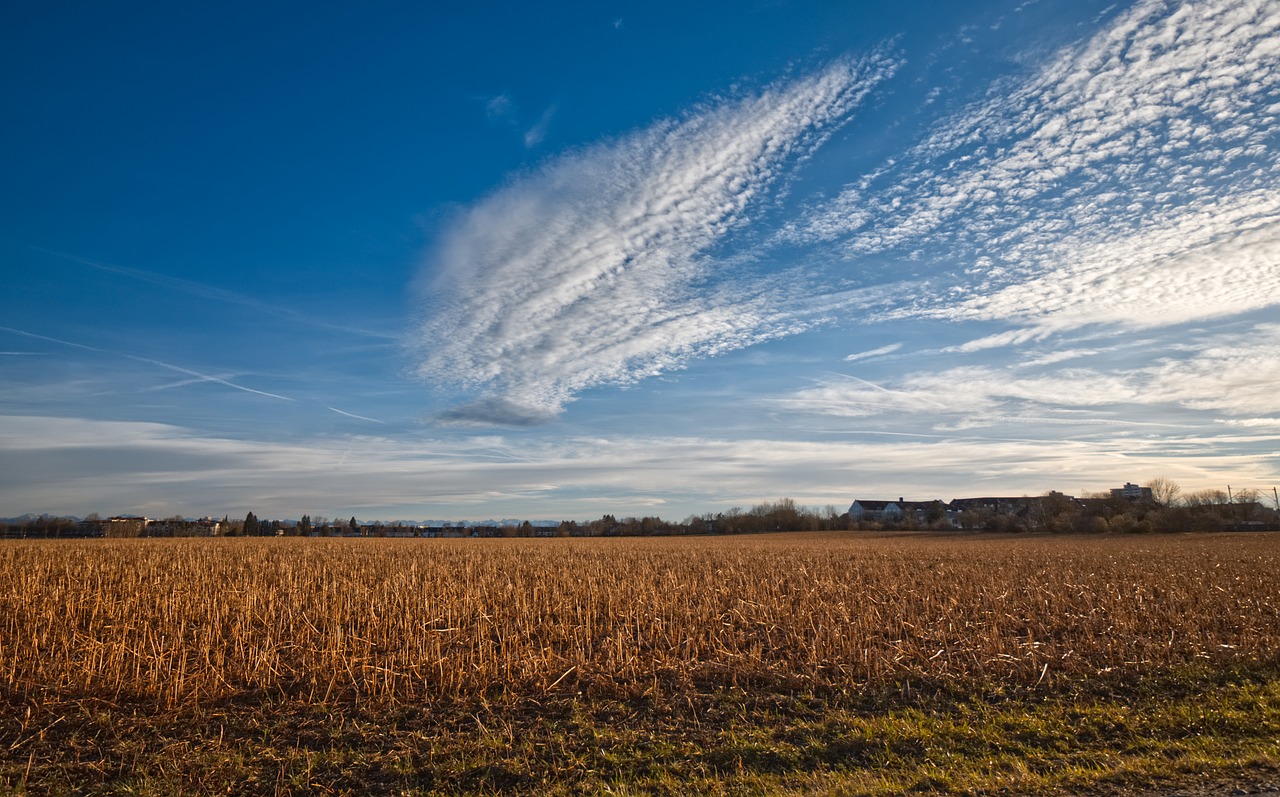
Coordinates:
(1168, 509)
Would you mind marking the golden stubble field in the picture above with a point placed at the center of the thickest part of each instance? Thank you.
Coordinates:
(183, 621)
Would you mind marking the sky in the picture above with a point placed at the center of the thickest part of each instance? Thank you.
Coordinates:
(495, 260)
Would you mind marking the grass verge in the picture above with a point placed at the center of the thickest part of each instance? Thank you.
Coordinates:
(1121, 734)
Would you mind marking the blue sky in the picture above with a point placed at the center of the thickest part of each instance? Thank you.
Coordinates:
(507, 261)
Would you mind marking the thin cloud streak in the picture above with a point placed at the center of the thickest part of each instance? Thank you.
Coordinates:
(353, 415)
(880, 352)
(383, 477)
(1234, 373)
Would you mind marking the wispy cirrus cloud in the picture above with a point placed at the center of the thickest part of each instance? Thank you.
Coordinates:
(501, 109)
(1131, 183)
(1215, 262)
(1116, 184)
(599, 267)
(535, 133)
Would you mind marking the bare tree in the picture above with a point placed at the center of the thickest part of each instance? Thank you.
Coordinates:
(1165, 492)
(1206, 498)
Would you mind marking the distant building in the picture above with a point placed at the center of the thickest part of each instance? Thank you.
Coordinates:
(922, 512)
(1132, 492)
(990, 512)
(875, 511)
(992, 505)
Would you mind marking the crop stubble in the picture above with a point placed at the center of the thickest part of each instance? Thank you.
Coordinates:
(394, 621)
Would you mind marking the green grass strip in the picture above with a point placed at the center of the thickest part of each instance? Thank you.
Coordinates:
(1081, 737)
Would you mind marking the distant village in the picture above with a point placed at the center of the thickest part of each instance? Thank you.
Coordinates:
(1155, 508)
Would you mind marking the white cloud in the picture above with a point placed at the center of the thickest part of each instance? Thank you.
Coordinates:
(1237, 375)
(1129, 181)
(1219, 262)
(1132, 179)
(597, 268)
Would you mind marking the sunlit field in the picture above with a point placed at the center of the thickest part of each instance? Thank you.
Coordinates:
(387, 625)
(410, 620)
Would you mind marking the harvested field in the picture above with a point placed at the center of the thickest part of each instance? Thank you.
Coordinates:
(396, 620)
(180, 626)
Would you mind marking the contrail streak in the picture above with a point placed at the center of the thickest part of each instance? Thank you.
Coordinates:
(205, 291)
(353, 415)
(149, 361)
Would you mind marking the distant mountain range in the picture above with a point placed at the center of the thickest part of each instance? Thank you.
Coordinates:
(30, 518)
